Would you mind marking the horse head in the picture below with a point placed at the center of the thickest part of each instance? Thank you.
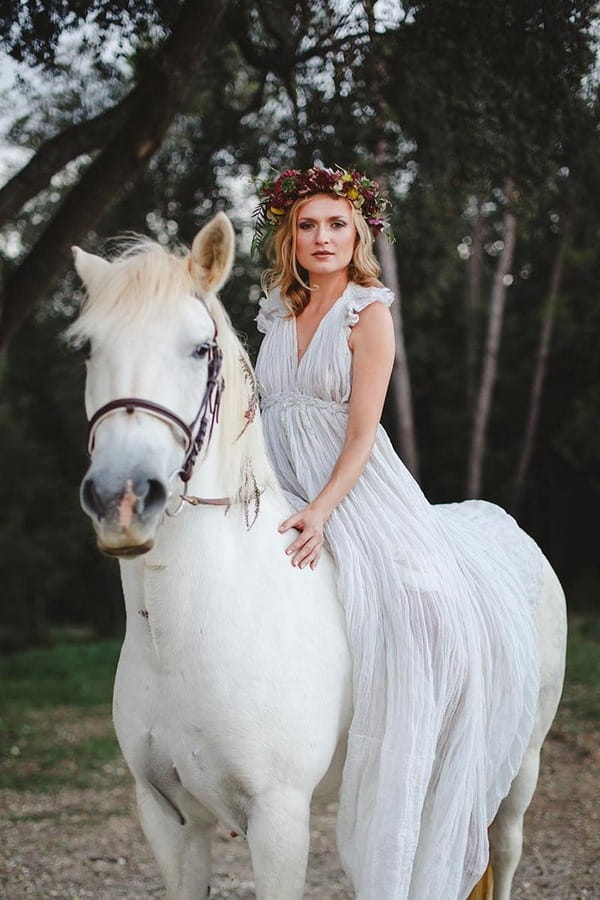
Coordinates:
(150, 321)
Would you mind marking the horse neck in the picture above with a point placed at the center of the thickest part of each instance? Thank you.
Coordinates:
(216, 541)
(244, 495)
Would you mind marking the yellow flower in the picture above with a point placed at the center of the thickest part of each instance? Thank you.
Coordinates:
(276, 211)
(347, 176)
(352, 194)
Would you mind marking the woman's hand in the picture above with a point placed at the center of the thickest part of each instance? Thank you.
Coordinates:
(306, 549)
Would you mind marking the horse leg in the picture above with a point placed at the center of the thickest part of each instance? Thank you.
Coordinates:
(278, 836)
(506, 832)
(182, 851)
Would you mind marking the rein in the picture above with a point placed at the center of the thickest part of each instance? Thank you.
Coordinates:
(194, 433)
(207, 501)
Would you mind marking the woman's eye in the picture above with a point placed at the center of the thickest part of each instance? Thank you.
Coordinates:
(339, 224)
(305, 226)
(200, 351)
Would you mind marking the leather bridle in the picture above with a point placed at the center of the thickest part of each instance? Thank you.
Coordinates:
(195, 432)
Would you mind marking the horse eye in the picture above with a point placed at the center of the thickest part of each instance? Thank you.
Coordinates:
(86, 349)
(200, 351)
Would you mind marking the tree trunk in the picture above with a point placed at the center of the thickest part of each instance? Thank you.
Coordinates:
(490, 361)
(154, 104)
(541, 368)
(399, 397)
(473, 310)
(402, 433)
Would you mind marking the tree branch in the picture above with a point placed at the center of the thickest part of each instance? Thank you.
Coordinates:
(154, 103)
(278, 61)
(55, 154)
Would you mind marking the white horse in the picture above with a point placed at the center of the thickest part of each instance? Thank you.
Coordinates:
(232, 696)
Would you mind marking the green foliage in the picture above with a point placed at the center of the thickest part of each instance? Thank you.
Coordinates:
(473, 92)
(486, 89)
(51, 569)
(31, 30)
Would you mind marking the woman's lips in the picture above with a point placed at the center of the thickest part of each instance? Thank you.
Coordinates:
(322, 253)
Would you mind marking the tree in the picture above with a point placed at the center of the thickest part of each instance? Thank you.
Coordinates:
(482, 407)
(127, 150)
(548, 320)
(443, 103)
(496, 73)
(400, 395)
(568, 193)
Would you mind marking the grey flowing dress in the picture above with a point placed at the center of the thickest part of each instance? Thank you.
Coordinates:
(440, 606)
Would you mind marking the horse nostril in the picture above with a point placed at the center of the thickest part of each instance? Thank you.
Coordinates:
(155, 497)
(91, 500)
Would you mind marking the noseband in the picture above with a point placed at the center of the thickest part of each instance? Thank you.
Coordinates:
(195, 432)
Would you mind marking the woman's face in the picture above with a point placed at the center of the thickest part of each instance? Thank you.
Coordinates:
(325, 235)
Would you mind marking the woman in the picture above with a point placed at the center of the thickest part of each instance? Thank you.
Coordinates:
(439, 613)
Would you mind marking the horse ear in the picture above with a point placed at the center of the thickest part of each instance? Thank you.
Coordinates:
(212, 254)
(90, 268)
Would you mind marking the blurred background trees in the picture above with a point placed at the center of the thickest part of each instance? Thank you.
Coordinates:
(481, 119)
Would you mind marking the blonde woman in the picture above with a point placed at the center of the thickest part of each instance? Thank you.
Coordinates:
(439, 601)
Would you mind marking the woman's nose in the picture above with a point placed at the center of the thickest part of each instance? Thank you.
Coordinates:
(322, 235)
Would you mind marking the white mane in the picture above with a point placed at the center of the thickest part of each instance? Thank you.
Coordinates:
(146, 280)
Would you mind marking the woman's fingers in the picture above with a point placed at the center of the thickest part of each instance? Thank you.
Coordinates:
(303, 538)
(308, 551)
(315, 559)
(291, 522)
(305, 549)
(311, 558)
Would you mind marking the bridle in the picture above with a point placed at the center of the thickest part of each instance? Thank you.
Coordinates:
(195, 432)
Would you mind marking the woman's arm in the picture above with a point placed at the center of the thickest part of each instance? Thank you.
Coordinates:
(372, 345)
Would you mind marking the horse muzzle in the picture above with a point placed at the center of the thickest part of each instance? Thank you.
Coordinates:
(125, 517)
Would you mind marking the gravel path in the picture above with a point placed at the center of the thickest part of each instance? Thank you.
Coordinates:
(87, 843)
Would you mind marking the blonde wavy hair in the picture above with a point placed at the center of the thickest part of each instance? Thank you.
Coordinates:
(286, 274)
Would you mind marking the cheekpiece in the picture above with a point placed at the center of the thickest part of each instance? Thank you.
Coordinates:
(279, 193)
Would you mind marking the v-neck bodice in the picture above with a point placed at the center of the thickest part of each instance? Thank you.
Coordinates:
(315, 332)
(324, 371)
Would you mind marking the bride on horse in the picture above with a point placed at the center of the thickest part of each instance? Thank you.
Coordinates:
(422, 655)
(440, 602)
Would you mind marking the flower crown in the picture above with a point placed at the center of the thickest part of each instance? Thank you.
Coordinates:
(278, 194)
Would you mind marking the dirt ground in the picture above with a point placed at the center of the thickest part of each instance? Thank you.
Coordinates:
(87, 843)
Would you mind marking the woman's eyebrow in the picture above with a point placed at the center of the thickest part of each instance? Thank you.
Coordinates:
(341, 217)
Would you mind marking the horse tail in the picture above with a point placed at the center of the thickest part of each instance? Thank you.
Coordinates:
(484, 889)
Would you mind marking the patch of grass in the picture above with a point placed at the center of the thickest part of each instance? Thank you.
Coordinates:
(55, 725)
(583, 653)
(45, 749)
(56, 728)
(580, 706)
(78, 675)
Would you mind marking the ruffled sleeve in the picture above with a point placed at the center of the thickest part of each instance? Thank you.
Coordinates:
(358, 297)
(270, 308)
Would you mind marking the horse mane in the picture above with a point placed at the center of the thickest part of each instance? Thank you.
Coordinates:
(143, 280)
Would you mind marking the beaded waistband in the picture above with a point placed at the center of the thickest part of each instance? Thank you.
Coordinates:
(286, 399)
